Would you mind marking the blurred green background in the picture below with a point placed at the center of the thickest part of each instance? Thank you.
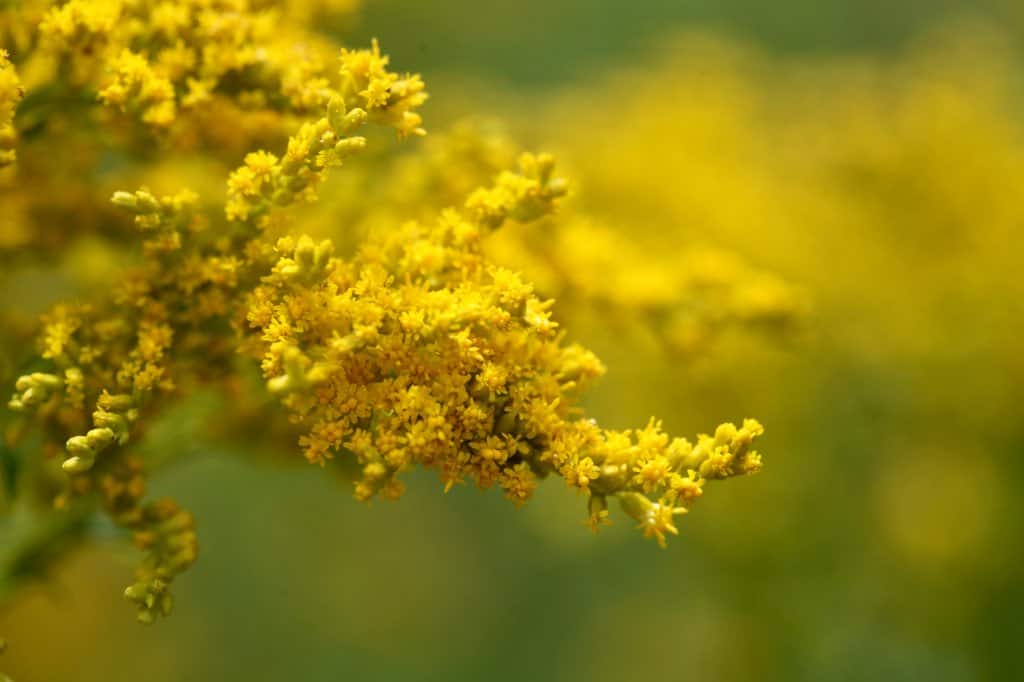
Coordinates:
(883, 540)
(530, 43)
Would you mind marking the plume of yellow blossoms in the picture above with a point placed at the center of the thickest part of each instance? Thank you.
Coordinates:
(421, 351)
(153, 58)
(686, 296)
(208, 78)
(417, 350)
(368, 92)
(115, 363)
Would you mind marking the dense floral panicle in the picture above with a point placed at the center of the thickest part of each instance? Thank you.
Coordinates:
(212, 79)
(421, 351)
(166, 533)
(11, 92)
(527, 195)
(368, 92)
(387, 97)
(113, 364)
(164, 219)
(165, 57)
(686, 297)
(414, 348)
(111, 361)
(265, 181)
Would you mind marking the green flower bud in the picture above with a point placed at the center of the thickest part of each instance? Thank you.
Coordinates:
(79, 445)
(336, 112)
(116, 403)
(635, 505)
(78, 464)
(99, 438)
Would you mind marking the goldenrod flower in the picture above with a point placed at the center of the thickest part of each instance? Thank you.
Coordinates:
(408, 345)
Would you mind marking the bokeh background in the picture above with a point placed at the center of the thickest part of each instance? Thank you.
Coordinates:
(872, 154)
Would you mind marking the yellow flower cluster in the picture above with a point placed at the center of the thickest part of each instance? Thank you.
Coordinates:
(137, 87)
(369, 92)
(117, 359)
(91, 354)
(417, 348)
(157, 57)
(388, 98)
(685, 297)
(210, 79)
(584, 258)
(165, 218)
(421, 351)
(86, 349)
